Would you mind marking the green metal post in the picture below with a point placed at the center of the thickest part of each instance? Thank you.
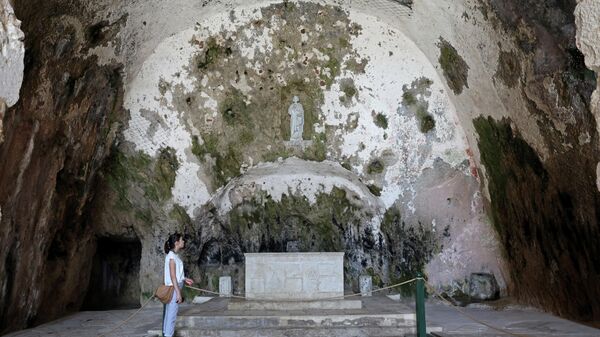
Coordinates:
(420, 304)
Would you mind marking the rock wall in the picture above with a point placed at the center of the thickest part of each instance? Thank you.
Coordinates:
(209, 105)
(543, 194)
(55, 140)
(449, 133)
(587, 15)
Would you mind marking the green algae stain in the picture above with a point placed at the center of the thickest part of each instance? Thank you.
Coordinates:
(252, 121)
(139, 180)
(410, 248)
(225, 162)
(122, 170)
(213, 52)
(509, 68)
(375, 167)
(414, 100)
(503, 154)
(165, 172)
(381, 121)
(316, 227)
(374, 189)
(348, 88)
(318, 151)
(426, 120)
(180, 215)
(234, 109)
(455, 69)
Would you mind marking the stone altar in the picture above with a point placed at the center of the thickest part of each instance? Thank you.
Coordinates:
(294, 276)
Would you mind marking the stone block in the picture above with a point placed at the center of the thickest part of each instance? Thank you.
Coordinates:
(366, 285)
(295, 276)
(225, 288)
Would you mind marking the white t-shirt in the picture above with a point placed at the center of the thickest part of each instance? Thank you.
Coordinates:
(178, 268)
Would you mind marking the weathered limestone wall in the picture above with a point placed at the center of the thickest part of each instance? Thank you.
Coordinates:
(521, 95)
(210, 102)
(56, 137)
(451, 132)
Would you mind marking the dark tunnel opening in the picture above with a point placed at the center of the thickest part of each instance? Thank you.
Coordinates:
(114, 280)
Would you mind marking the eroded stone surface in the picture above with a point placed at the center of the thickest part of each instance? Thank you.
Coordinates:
(12, 52)
(587, 18)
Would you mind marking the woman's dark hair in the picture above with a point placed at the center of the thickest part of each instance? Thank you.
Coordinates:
(170, 243)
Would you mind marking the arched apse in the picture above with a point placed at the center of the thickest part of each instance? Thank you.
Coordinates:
(212, 100)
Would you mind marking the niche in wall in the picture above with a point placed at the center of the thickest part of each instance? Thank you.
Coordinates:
(114, 281)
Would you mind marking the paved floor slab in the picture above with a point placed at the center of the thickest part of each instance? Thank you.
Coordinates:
(522, 321)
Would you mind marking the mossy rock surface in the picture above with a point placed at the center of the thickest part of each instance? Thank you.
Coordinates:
(409, 248)
(381, 120)
(455, 69)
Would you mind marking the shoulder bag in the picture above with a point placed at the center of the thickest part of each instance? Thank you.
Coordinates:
(164, 293)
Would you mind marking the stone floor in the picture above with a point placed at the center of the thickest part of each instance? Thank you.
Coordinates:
(523, 322)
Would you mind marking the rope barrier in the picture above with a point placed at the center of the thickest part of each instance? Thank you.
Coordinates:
(308, 300)
(128, 318)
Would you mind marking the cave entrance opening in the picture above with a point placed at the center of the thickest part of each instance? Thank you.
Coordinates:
(114, 280)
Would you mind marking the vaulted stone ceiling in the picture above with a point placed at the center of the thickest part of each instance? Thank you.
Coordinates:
(447, 137)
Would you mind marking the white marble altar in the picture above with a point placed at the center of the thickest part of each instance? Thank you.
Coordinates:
(294, 276)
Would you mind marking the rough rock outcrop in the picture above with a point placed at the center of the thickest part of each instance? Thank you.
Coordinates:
(587, 18)
(544, 205)
(56, 138)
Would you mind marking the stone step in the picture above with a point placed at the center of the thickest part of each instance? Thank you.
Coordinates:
(295, 305)
(296, 321)
(297, 332)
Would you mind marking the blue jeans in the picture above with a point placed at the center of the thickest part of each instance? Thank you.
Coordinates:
(171, 315)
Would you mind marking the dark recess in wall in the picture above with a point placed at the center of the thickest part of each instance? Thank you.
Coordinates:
(114, 282)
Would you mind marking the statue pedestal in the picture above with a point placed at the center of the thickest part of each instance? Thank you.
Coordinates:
(298, 144)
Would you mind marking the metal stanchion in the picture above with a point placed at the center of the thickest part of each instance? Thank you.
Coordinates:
(420, 304)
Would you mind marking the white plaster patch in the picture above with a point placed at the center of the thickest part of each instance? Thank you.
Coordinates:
(393, 62)
(143, 98)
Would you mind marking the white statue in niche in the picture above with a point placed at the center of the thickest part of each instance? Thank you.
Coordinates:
(296, 112)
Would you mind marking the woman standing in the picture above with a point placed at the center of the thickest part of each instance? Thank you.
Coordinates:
(174, 276)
